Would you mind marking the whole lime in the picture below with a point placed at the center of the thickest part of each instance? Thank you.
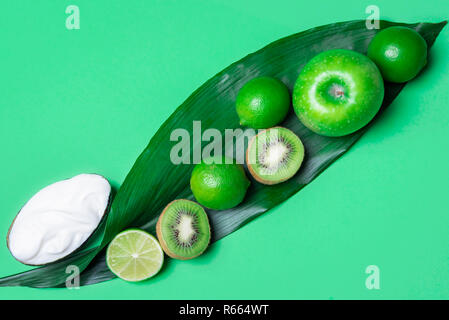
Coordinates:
(262, 103)
(399, 52)
(218, 183)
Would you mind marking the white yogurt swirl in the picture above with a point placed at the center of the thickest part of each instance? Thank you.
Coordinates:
(58, 219)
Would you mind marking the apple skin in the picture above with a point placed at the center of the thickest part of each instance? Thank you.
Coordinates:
(338, 92)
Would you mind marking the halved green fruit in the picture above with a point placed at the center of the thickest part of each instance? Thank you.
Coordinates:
(134, 255)
(183, 229)
(274, 155)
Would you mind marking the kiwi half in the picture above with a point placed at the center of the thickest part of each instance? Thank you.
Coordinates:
(183, 229)
(274, 155)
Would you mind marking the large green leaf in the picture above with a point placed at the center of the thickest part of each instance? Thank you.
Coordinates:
(154, 180)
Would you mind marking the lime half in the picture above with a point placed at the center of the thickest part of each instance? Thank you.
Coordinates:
(134, 255)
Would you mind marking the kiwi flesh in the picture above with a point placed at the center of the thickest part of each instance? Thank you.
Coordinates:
(274, 155)
(183, 229)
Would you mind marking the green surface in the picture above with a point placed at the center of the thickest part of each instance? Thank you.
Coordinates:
(88, 100)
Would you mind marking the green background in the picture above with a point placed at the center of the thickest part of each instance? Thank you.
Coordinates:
(88, 100)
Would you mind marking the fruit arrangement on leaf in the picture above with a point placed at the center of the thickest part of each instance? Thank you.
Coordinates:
(336, 93)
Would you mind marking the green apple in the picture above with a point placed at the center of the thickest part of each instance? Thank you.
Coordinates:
(338, 92)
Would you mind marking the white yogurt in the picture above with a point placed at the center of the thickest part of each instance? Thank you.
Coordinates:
(58, 219)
